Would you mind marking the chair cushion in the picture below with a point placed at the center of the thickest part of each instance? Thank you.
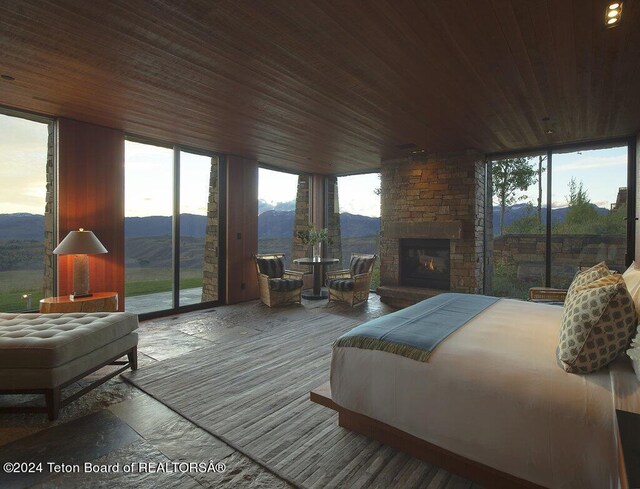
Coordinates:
(50, 340)
(284, 284)
(271, 267)
(343, 284)
(360, 265)
(598, 322)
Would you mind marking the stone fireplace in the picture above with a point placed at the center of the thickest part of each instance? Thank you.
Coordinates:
(432, 227)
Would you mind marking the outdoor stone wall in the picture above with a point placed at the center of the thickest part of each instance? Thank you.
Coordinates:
(300, 223)
(334, 250)
(211, 266)
(49, 217)
(569, 253)
(435, 196)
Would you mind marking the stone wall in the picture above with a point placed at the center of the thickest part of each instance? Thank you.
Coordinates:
(334, 250)
(211, 266)
(49, 217)
(300, 223)
(435, 196)
(569, 252)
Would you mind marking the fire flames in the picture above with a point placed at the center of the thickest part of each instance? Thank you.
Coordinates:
(429, 265)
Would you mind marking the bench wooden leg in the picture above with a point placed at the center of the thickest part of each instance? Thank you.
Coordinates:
(133, 358)
(52, 397)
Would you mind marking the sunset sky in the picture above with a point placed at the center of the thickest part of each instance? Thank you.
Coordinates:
(149, 177)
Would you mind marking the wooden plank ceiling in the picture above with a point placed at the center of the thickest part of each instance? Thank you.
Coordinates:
(328, 86)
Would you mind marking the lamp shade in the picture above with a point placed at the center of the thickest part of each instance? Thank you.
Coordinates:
(80, 242)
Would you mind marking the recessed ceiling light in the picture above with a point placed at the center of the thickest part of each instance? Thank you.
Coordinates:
(613, 14)
(7, 77)
(549, 131)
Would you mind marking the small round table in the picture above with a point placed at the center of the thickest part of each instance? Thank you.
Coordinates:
(98, 302)
(316, 268)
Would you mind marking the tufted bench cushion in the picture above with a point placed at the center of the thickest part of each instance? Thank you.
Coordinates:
(36, 341)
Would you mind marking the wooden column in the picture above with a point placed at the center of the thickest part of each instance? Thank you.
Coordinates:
(91, 196)
(242, 229)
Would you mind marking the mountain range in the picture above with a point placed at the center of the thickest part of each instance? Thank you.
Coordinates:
(273, 222)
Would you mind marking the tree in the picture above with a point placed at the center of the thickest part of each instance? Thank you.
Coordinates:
(541, 169)
(529, 223)
(509, 176)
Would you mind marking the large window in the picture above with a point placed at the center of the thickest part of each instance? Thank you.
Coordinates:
(148, 227)
(277, 193)
(162, 272)
(543, 238)
(359, 197)
(26, 213)
(589, 211)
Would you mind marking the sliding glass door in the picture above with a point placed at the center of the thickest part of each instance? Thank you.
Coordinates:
(589, 211)
(26, 212)
(172, 228)
(148, 227)
(556, 212)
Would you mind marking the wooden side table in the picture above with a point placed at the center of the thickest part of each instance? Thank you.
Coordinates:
(98, 302)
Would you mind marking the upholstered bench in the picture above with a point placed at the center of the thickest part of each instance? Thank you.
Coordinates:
(43, 353)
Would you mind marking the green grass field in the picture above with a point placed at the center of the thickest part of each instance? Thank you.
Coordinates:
(143, 281)
(15, 283)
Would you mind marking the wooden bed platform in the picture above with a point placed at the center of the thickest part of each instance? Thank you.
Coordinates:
(388, 435)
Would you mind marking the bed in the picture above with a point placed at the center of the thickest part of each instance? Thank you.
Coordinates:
(491, 402)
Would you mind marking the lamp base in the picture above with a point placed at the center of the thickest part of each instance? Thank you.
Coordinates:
(80, 276)
(79, 296)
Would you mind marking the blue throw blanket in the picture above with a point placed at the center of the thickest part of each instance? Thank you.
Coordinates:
(415, 331)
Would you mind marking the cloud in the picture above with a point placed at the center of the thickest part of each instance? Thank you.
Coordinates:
(591, 162)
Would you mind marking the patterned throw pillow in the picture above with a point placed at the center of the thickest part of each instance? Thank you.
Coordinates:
(582, 278)
(598, 322)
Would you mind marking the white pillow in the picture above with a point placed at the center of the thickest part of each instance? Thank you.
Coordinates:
(631, 278)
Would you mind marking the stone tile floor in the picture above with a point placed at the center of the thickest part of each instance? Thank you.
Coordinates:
(117, 424)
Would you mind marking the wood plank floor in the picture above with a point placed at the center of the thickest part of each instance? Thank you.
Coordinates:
(252, 392)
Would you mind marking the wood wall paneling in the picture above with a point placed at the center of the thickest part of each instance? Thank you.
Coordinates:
(91, 196)
(242, 229)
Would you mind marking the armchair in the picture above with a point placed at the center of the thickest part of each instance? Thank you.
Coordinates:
(277, 285)
(352, 285)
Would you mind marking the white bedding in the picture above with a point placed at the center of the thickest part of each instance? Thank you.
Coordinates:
(494, 393)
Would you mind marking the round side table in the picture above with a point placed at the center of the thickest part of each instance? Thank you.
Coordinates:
(316, 267)
(98, 302)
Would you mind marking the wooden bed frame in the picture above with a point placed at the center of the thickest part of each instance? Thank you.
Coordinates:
(414, 446)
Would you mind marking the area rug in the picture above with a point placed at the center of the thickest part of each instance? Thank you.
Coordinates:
(254, 394)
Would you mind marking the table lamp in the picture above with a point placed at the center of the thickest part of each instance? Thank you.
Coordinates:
(80, 244)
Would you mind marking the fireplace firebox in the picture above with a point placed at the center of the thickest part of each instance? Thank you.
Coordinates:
(425, 263)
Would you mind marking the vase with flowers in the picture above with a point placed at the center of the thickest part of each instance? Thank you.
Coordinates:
(314, 238)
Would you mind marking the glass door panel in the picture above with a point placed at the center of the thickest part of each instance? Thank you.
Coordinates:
(589, 210)
(148, 227)
(26, 214)
(519, 188)
(199, 233)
